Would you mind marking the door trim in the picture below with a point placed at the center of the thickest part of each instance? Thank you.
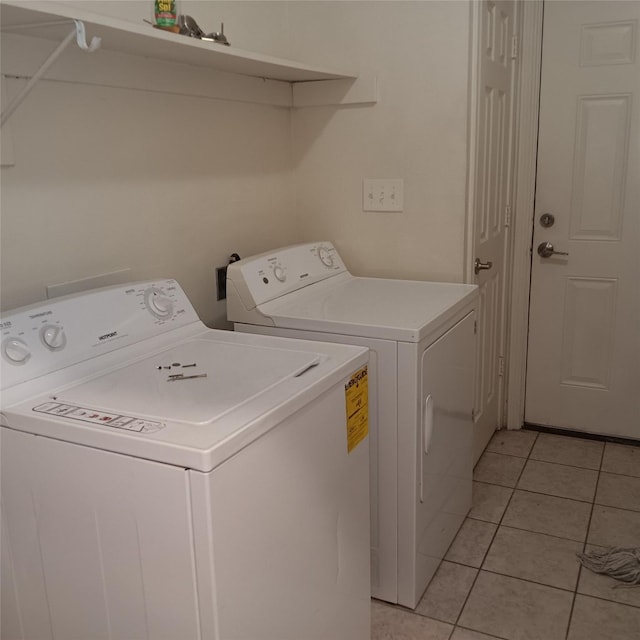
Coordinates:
(472, 132)
(526, 159)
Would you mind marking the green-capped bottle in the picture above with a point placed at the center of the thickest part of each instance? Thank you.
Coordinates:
(166, 13)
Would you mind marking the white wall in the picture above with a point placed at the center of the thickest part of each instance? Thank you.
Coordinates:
(169, 185)
(417, 131)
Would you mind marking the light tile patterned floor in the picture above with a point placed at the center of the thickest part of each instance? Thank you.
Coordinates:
(512, 571)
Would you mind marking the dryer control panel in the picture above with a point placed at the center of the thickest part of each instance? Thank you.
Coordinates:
(256, 280)
(57, 333)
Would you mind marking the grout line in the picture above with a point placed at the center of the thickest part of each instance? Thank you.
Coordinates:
(540, 533)
(584, 547)
(540, 493)
(530, 581)
(563, 464)
(489, 635)
(615, 473)
(611, 506)
(553, 495)
(493, 484)
(617, 602)
(507, 455)
(593, 505)
(473, 584)
(623, 475)
(504, 453)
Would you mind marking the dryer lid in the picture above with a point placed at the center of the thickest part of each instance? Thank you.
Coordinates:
(404, 310)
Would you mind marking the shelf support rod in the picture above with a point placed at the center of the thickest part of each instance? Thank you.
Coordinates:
(78, 32)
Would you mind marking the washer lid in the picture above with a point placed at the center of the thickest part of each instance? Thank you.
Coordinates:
(228, 376)
(253, 383)
(404, 310)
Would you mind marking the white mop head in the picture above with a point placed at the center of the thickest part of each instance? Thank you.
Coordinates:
(621, 564)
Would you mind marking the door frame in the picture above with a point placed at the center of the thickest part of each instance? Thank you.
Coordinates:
(523, 207)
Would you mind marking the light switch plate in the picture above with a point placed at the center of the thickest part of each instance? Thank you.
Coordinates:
(383, 195)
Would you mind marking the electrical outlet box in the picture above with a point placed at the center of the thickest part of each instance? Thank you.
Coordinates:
(383, 195)
(221, 283)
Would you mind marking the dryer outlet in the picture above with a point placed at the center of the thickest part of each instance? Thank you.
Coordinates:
(221, 283)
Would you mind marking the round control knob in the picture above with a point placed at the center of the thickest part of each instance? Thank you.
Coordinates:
(279, 273)
(15, 351)
(325, 257)
(53, 337)
(158, 303)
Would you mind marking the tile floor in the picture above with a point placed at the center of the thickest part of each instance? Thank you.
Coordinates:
(512, 571)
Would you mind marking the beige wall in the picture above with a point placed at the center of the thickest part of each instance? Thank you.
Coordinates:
(417, 131)
(111, 178)
(169, 185)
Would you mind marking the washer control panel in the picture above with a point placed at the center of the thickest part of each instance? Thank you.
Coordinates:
(270, 275)
(97, 416)
(57, 333)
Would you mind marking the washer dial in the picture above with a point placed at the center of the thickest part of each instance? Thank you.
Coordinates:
(15, 351)
(325, 256)
(53, 337)
(158, 303)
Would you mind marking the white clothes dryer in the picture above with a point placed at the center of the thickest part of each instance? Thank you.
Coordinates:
(421, 336)
(163, 480)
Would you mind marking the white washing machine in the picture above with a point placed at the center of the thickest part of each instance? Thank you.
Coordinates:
(163, 480)
(422, 341)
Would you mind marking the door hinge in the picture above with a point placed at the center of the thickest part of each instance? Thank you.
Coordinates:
(514, 46)
(475, 326)
(507, 216)
(500, 366)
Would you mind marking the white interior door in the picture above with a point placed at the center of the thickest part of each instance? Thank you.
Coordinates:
(584, 337)
(492, 190)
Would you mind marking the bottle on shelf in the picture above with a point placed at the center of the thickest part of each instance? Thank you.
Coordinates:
(165, 13)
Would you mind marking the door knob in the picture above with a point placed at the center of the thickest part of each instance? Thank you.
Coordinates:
(546, 250)
(481, 266)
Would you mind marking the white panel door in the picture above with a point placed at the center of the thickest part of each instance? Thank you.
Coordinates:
(584, 340)
(492, 190)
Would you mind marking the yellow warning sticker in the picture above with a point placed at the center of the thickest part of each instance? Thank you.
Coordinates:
(356, 393)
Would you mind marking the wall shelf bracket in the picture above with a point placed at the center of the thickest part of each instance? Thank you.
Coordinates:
(81, 38)
(78, 32)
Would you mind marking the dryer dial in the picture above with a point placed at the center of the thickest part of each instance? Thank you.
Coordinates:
(53, 337)
(158, 303)
(15, 351)
(279, 273)
(325, 256)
